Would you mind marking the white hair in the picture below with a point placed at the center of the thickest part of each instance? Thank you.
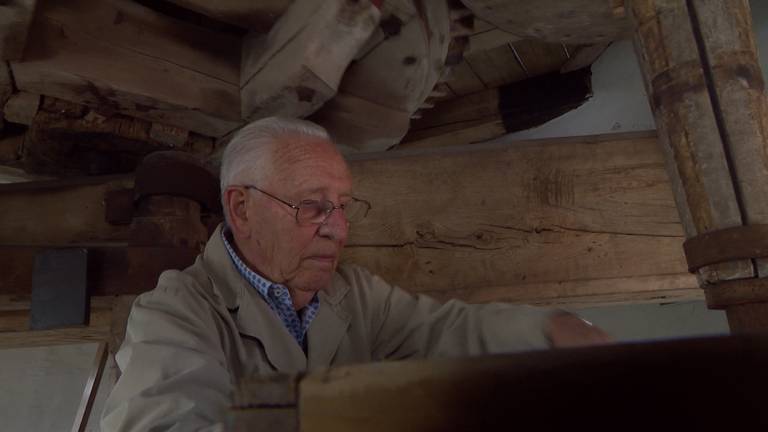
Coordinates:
(247, 157)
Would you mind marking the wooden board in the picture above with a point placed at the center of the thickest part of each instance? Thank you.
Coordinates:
(119, 56)
(573, 21)
(78, 206)
(538, 221)
(462, 80)
(35, 338)
(15, 19)
(301, 63)
(582, 220)
(496, 66)
(253, 15)
(539, 58)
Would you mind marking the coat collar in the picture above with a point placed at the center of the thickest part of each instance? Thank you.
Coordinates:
(255, 319)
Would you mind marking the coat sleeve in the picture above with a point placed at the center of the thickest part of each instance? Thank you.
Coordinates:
(174, 372)
(417, 326)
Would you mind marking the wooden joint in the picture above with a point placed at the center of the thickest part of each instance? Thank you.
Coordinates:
(725, 245)
(737, 292)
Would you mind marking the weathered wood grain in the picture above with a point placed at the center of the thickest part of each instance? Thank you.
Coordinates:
(15, 19)
(59, 212)
(119, 56)
(574, 21)
(583, 220)
(301, 63)
(35, 338)
(687, 118)
(574, 214)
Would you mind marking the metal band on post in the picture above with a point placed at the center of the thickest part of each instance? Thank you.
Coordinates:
(730, 244)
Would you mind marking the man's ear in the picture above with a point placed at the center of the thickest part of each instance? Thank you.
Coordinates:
(236, 207)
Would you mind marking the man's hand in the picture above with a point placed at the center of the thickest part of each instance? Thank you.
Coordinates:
(567, 330)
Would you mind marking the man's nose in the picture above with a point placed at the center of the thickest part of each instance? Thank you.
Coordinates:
(335, 226)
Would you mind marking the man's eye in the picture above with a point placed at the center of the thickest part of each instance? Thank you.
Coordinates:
(309, 203)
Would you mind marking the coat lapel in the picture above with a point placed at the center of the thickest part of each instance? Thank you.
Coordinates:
(329, 326)
(252, 315)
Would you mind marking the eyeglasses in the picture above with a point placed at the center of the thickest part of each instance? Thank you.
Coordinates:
(316, 212)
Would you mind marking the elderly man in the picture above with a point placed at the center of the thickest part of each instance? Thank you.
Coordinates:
(267, 294)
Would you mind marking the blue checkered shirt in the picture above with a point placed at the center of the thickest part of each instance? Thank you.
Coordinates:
(278, 298)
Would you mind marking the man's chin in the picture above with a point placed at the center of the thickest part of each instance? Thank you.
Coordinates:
(314, 279)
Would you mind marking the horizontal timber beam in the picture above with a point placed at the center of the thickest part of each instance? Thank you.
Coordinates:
(119, 56)
(572, 221)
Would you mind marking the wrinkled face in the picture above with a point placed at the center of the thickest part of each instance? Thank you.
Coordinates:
(302, 257)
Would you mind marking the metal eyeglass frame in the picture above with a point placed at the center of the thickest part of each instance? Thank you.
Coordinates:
(298, 208)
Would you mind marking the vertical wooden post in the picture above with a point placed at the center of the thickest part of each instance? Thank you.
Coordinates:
(706, 87)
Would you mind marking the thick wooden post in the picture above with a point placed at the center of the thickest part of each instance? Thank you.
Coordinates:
(706, 89)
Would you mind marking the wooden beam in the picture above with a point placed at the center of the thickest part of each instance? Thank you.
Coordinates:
(67, 140)
(259, 16)
(21, 108)
(67, 336)
(392, 79)
(79, 206)
(571, 22)
(480, 393)
(300, 64)
(119, 56)
(15, 19)
(582, 220)
(583, 56)
(495, 112)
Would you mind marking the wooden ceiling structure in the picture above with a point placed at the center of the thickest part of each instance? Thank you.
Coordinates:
(410, 89)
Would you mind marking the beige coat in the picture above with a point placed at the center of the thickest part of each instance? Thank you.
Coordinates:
(202, 329)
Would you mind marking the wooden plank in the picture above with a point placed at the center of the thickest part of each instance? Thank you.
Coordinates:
(583, 56)
(484, 222)
(6, 86)
(259, 16)
(112, 270)
(574, 21)
(18, 320)
(300, 65)
(462, 80)
(15, 19)
(21, 108)
(480, 393)
(490, 39)
(78, 204)
(496, 67)
(138, 63)
(36, 338)
(540, 58)
(456, 221)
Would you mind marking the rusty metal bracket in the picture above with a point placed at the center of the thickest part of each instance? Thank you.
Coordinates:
(179, 174)
(741, 291)
(730, 244)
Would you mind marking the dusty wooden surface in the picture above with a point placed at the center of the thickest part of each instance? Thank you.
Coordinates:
(122, 57)
(15, 19)
(299, 66)
(528, 222)
(574, 21)
(578, 220)
(64, 336)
